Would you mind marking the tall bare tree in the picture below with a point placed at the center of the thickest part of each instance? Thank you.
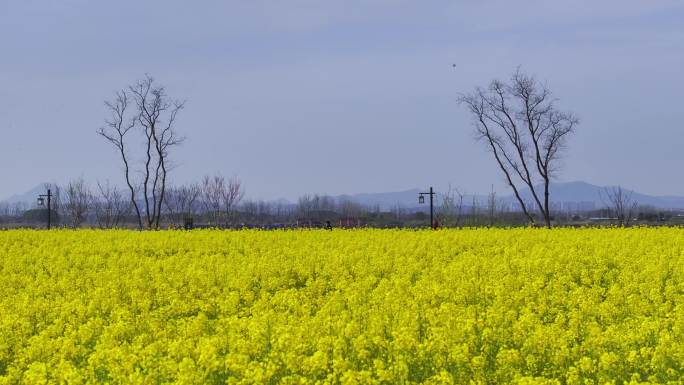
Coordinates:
(117, 131)
(110, 206)
(154, 117)
(525, 133)
(77, 201)
(621, 203)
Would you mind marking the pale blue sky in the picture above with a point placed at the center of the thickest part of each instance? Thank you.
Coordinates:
(340, 96)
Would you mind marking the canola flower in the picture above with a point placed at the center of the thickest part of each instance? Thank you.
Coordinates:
(472, 306)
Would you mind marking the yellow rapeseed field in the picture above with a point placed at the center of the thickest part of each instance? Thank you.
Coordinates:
(480, 306)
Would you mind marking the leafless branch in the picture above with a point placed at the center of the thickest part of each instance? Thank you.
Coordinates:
(154, 118)
(525, 132)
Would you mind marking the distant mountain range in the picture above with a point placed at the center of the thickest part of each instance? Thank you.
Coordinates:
(569, 194)
(577, 194)
(586, 192)
(29, 197)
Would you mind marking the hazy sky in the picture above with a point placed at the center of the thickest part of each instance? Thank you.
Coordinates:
(340, 96)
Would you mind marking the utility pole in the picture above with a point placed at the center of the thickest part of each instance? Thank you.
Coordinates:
(41, 202)
(421, 200)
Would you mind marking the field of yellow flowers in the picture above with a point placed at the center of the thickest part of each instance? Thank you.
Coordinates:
(483, 306)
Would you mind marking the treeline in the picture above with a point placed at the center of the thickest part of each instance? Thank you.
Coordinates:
(106, 205)
(217, 201)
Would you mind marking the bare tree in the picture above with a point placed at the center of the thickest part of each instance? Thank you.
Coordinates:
(282, 210)
(350, 209)
(77, 200)
(182, 202)
(211, 197)
(154, 117)
(450, 211)
(305, 206)
(474, 218)
(250, 208)
(4, 209)
(219, 197)
(525, 132)
(110, 206)
(117, 130)
(264, 209)
(621, 203)
(232, 195)
(5, 212)
(18, 208)
(258, 211)
(493, 206)
(398, 210)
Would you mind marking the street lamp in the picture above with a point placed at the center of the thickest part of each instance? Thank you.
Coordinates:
(41, 202)
(421, 200)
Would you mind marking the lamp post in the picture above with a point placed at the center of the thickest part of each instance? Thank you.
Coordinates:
(421, 200)
(41, 202)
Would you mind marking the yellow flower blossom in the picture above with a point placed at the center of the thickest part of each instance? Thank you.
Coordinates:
(469, 306)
